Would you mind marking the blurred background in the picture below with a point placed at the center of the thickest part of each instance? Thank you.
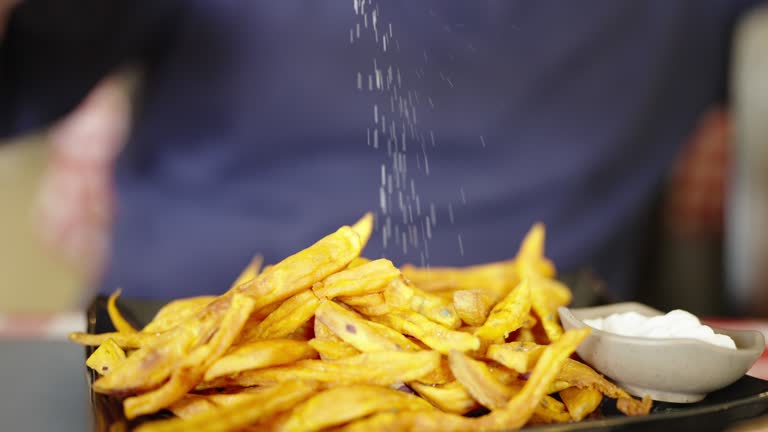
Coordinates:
(709, 252)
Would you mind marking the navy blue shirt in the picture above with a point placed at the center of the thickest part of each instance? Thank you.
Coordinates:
(255, 129)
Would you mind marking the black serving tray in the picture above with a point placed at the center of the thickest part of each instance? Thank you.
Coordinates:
(745, 399)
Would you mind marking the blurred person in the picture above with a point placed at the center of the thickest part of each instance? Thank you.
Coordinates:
(253, 130)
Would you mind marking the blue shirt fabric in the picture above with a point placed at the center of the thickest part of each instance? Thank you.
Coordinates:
(252, 135)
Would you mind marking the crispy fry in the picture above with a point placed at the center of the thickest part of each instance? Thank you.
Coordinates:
(473, 306)
(582, 376)
(260, 405)
(332, 349)
(357, 262)
(300, 271)
(478, 380)
(286, 319)
(546, 296)
(369, 304)
(191, 405)
(364, 227)
(118, 321)
(123, 340)
(362, 334)
(518, 356)
(497, 278)
(364, 279)
(440, 375)
(519, 409)
(451, 397)
(530, 257)
(434, 335)
(507, 316)
(581, 402)
(399, 294)
(175, 312)
(378, 368)
(250, 271)
(343, 404)
(191, 370)
(106, 357)
(260, 354)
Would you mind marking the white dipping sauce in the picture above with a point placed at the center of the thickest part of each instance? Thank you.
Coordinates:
(676, 324)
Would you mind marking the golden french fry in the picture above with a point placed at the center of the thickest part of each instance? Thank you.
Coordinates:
(440, 375)
(497, 278)
(546, 296)
(369, 304)
(340, 405)
(520, 408)
(473, 306)
(582, 376)
(191, 405)
(399, 294)
(105, 357)
(507, 316)
(303, 269)
(118, 321)
(286, 319)
(475, 376)
(364, 279)
(122, 339)
(530, 257)
(190, 372)
(550, 410)
(175, 312)
(362, 334)
(518, 356)
(357, 262)
(581, 402)
(250, 271)
(435, 336)
(332, 349)
(260, 354)
(364, 228)
(280, 397)
(451, 397)
(378, 368)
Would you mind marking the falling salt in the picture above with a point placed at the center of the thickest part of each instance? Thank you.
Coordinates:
(461, 246)
(482, 140)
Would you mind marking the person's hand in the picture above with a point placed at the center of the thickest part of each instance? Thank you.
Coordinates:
(76, 195)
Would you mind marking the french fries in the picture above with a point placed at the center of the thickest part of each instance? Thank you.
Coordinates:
(329, 340)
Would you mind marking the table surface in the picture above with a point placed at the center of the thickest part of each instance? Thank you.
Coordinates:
(44, 387)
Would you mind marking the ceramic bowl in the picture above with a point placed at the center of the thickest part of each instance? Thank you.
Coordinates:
(670, 370)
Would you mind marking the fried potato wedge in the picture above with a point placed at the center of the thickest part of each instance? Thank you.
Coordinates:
(473, 306)
(518, 356)
(260, 354)
(190, 372)
(118, 321)
(368, 278)
(507, 316)
(435, 336)
(122, 339)
(286, 319)
(582, 376)
(106, 357)
(175, 312)
(378, 368)
(280, 397)
(333, 349)
(451, 397)
(340, 405)
(400, 295)
(369, 304)
(362, 334)
(581, 402)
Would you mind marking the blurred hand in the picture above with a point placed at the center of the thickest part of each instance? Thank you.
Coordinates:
(76, 195)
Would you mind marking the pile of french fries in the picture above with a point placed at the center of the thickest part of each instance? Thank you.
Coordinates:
(328, 340)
